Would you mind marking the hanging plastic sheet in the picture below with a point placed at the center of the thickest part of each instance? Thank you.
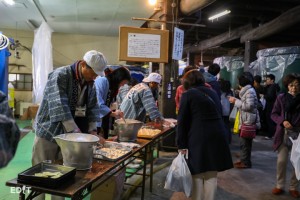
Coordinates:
(231, 68)
(277, 61)
(42, 60)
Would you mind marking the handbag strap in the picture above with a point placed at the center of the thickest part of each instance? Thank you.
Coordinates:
(209, 99)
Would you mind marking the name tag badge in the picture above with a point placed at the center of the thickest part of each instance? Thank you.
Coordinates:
(80, 111)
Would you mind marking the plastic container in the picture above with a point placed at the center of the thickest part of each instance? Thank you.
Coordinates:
(11, 95)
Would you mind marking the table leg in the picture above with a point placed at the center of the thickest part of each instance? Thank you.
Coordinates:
(144, 173)
(151, 166)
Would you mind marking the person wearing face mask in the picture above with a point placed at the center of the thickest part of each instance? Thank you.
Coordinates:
(69, 105)
(286, 115)
(139, 100)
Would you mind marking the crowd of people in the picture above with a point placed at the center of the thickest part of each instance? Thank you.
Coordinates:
(278, 112)
(85, 97)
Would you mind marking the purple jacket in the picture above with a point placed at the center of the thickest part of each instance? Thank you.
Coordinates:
(277, 116)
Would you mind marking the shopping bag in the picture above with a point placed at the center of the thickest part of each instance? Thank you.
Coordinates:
(179, 178)
(289, 134)
(233, 114)
(236, 129)
(295, 156)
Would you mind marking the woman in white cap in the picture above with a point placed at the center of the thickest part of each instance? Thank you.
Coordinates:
(139, 100)
(69, 105)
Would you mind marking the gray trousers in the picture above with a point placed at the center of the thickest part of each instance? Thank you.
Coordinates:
(246, 148)
(282, 161)
(44, 150)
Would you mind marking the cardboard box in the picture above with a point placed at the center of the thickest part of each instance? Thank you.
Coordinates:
(111, 189)
(30, 112)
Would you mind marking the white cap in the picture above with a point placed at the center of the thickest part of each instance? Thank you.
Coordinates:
(96, 61)
(153, 77)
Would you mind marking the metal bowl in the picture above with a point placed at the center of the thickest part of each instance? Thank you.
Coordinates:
(127, 131)
(77, 149)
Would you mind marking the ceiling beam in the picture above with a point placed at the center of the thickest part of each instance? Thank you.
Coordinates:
(220, 39)
(286, 20)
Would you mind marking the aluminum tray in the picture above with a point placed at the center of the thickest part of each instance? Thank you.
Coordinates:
(99, 154)
(28, 176)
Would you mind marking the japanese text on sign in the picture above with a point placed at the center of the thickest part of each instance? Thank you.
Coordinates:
(178, 44)
(143, 45)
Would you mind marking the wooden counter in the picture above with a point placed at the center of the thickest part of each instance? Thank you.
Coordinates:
(86, 181)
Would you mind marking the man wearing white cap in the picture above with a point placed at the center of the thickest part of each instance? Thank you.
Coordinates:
(69, 105)
(139, 100)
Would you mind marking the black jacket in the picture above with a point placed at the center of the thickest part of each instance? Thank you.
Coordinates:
(201, 130)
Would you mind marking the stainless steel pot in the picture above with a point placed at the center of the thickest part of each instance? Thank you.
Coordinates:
(127, 131)
(77, 149)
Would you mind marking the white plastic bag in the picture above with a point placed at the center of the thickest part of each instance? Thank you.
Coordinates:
(233, 113)
(295, 156)
(179, 178)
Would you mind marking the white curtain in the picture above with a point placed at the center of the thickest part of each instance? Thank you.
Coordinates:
(42, 60)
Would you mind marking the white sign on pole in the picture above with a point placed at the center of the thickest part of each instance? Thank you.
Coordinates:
(178, 44)
(143, 45)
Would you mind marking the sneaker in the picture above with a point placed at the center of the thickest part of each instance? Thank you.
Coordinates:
(294, 193)
(241, 165)
(277, 191)
(237, 162)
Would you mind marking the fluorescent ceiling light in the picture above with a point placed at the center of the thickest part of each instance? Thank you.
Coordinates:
(10, 2)
(225, 12)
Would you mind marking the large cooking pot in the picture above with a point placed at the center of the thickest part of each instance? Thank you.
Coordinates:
(127, 131)
(77, 149)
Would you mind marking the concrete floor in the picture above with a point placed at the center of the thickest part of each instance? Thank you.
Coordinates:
(234, 184)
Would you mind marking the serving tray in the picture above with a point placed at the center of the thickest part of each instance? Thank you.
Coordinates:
(148, 133)
(113, 147)
(28, 176)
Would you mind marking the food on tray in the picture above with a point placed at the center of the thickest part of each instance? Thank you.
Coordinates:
(148, 132)
(113, 153)
(48, 174)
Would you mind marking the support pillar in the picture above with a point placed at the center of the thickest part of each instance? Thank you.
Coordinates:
(250, 54)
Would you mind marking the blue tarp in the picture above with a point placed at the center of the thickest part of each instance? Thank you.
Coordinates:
(136, 72)
(4, 54)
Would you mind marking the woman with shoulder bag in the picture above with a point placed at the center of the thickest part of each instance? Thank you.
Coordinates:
(249, 118)
(286, 115)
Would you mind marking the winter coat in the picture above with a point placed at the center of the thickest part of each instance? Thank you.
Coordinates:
(247, 105)
(278, 116)
(270, 96)
(201, 130)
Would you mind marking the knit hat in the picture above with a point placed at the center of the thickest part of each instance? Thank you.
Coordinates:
(96, 61)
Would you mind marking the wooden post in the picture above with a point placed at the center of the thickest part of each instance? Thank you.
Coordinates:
(168, 71)
(250, 54)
